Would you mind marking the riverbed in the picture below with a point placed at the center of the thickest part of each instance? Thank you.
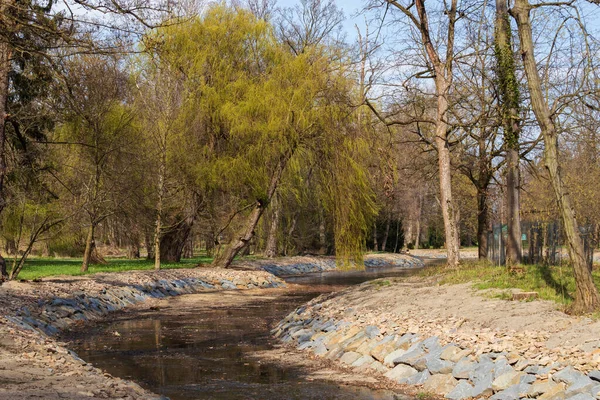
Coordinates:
(217, 345)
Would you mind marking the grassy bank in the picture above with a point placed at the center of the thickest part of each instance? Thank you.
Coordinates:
(553, 283)
(39, 267)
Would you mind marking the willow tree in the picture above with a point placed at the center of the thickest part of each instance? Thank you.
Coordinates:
(255, 112)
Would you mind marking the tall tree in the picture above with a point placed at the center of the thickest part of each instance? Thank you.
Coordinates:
(586, 294)
(508, 88)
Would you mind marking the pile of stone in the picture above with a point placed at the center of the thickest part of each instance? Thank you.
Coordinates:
(306, 265)
(444, 368)
(49, 316)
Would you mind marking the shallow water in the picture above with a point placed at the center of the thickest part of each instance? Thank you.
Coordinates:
(195, 349)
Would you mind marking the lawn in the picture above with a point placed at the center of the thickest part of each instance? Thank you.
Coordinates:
(39, 267)
(553, 283)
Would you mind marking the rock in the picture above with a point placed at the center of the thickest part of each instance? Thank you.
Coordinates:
(379, 367)
(349, 357)
(582, 396)
(555, 393)
(438, 366)
(400, 371)
(319, 349)
(502, 367)
(567, 375)
(463, 369)
(454, 353)
(522, 364)
(372, 331)
(595, 375)
(463, 390)
(390, 358)
(507, 380)
(417, 379)
(363, 360)
(581, 385)
(440, 384)
(512, 393)
(411, 356)
(482, 377)
(540, 387)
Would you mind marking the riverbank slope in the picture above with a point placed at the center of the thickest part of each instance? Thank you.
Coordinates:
(454, 341)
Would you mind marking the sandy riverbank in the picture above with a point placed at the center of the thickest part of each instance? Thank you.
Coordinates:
(455, 341)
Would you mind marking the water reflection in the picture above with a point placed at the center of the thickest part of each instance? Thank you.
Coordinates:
(192, 350)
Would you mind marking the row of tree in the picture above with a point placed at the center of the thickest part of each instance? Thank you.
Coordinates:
(249, 126)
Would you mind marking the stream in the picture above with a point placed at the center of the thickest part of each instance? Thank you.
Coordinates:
(217, 345)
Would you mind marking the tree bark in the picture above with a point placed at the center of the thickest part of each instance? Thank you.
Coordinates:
(482, 223)
(586, 293)
(89, 246)
(271, 248)
(509, 102)
(173, 240)
(5, 68)
(386, 232)
(159, 204)
(241, 240)
(443, 82)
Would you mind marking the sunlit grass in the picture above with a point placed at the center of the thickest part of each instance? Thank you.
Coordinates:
(555, 283)
(40, 267)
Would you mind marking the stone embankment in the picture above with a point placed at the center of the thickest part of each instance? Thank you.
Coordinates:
(291, 266)
(368, 328)
(32, 362)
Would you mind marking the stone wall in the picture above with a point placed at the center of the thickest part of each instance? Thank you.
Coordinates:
(447, 369)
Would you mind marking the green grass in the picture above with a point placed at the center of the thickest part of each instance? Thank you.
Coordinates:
(553, 283)
(40, 267)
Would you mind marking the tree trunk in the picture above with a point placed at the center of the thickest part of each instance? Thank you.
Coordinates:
(375, 245)
(89, 246)
(586, 293)
(173, 241)
(224, 259)
(271, 249)
(482, 223)
(5, 68)
(418, 220)
(386, 233)
(159, 201)
(509, 102)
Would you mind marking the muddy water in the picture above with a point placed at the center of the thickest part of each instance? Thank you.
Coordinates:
(218, 346)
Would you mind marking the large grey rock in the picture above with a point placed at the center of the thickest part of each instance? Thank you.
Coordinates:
(438, 366)
(567, 375)
(463, 390)
(512, 393)
(482, 377)
(440, 384)
(581, 385)
(400, 371)
(411, 356)
(319, 349)
(502, 366)
(418, 379)
(463, 369)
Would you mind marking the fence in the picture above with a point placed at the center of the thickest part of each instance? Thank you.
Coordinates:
(542, 242)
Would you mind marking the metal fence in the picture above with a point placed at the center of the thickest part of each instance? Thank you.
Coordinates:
(542, 243)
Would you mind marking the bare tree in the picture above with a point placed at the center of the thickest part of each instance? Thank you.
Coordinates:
(586, 296)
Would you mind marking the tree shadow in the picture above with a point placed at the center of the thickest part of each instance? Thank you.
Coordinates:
(560, 288)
